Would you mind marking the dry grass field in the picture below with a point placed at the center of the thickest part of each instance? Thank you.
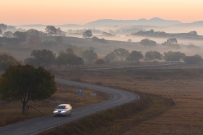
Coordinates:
(182, 83)
(11, 112)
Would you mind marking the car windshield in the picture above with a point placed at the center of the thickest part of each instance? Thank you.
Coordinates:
(61, 107)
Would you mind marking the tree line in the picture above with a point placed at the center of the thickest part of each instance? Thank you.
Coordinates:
(68, 58)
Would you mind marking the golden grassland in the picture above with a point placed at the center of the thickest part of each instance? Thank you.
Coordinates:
(182, 83)
(11, 112)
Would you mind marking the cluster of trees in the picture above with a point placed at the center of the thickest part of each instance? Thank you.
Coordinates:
(152, 33)
(172, 43)
(41, 58)
(33, 36)
(135, 56)
(67, 58)
(53, 31)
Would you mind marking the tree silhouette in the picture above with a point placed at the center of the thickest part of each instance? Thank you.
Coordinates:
(135, 56)
(193, 59)
(148, 42)
(51, 30)
(153, 55)
(26, 83)
(110, 57)
(87, 34)
(172, 43)
(68, 58)
(89, 55)
(121, 53)
(173, 56)
(43, 57)
(22, 36)
(8, 34)
(3, 27)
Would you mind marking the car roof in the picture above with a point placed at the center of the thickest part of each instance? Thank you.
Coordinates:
(63, 104)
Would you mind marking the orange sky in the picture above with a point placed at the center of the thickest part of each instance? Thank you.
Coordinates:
(82, 11)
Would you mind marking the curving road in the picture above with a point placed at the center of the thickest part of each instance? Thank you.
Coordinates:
(117, 97)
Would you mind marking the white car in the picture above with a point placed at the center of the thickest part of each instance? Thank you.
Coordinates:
(63, 109)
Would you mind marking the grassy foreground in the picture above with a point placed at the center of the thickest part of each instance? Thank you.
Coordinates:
(117, 120)
(11, 112)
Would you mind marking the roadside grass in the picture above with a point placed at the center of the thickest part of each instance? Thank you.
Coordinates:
(116, 120)
(11, 112)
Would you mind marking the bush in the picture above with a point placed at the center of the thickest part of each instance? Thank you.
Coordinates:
(96, 39)
(193, 59)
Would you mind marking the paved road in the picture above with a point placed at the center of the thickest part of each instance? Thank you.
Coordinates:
(36, 125)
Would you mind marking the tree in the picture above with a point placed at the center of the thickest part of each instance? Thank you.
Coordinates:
(59, 32)
(193, 59)
(172, 43)
(43, 57)
(87, 34)
(33, 32)
(8, 34)
(68, 58)
(173, 56)
(153, 55)
(0, 32)
(135, 56)
(148, 42)
(51, 30)
(22, 36)
(110, 57)
(194, 33)
(89, 55)
(3, 27)
(100, 62)
(121, 53)
(61, 60)
(6, 61)
(96, 39)
(26, 83)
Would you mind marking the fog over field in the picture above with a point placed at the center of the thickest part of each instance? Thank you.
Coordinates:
(110, 35)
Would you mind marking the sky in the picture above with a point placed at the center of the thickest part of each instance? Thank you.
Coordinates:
(18, 12)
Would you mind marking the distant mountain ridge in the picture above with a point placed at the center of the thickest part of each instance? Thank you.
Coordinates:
(193, 24)
(158, 22)
(154, 21)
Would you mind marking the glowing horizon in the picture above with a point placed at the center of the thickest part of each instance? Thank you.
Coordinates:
(80, 12)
